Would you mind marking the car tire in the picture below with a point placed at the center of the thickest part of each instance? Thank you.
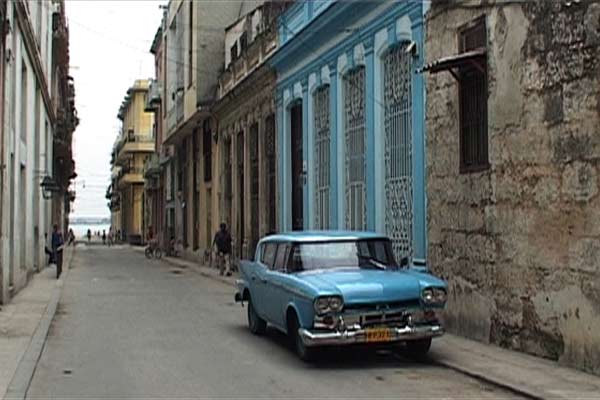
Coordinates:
(257, 325)
(305, 353)
(418, 348)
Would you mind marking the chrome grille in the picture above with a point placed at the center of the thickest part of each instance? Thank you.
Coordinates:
(369, 307)
(397, 313)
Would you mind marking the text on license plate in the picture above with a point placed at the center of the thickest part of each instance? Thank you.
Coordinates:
(378, 335)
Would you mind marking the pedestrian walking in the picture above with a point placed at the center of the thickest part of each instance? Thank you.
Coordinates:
(71, 237)
(104, 236)
(223, 242)
(57, 249)
(48, 249)
(89, 235)
(110, 236)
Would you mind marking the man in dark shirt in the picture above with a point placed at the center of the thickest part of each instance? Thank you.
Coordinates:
(57, 249)
(223, 242)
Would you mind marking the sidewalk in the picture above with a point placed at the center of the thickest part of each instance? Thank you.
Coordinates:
(24, 324)
(528, 375)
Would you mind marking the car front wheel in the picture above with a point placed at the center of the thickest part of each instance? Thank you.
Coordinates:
(304, 353)
(257, 325)
(418, 348)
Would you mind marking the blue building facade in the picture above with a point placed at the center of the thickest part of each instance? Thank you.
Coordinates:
(350, 119)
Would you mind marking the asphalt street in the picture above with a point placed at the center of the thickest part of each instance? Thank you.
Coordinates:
(128, 327)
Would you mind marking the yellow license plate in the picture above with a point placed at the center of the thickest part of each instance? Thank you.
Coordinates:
(379, 335)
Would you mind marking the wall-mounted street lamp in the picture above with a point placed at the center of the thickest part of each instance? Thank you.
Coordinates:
(49, 187)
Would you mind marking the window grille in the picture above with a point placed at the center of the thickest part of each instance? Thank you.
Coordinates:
(321, 157)
(398, 149)
(355, 137)
(473, 102)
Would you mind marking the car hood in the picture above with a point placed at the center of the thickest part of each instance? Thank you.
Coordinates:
(364, 286)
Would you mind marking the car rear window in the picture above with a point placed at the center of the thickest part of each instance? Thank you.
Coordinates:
(281, 258)
(268, 255)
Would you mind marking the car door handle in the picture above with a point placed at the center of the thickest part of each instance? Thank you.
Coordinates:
(263, 280)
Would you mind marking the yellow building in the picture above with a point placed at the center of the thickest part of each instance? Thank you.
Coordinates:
(133, 146)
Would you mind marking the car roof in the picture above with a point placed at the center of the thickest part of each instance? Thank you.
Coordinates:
(322, 236)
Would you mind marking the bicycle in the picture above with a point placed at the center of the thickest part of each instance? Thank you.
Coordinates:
(153, 252)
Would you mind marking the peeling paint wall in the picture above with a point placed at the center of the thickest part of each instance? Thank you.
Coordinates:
(520, 242)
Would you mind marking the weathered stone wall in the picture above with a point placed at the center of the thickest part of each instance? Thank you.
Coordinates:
(520, 242)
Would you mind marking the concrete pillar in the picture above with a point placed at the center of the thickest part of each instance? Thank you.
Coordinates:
(333, 121)
(370, 128)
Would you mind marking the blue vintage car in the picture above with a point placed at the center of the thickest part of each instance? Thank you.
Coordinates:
(340, 288)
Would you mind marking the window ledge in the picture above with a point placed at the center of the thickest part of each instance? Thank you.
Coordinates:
(472, 169)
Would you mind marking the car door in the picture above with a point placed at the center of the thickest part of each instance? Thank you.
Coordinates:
(275, 288)
(257, 279)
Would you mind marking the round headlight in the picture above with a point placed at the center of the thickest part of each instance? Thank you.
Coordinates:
(336, 303)
(440, 295)
(322, 305)
(428, 296)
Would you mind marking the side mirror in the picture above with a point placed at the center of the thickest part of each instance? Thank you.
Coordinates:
(404, 262)
(420, 265)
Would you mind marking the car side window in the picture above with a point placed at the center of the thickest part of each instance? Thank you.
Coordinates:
(295, 261)
(268, 254)
(280, 260)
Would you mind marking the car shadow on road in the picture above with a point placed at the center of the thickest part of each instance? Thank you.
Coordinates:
(346, 357)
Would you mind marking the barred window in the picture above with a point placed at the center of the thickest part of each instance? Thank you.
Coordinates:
(321, 157)
(473, 101)
(355, 138)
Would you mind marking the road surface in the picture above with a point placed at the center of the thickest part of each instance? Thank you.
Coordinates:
(128, 327)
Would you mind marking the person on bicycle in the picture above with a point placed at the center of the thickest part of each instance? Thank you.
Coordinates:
(223, 242)
(150, 239)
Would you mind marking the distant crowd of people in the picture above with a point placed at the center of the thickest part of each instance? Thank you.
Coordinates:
(108, 238)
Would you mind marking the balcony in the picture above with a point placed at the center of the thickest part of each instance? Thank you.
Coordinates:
(115, 171)
(153, 99)
(134, 144)
(131, 176)
(152, 167)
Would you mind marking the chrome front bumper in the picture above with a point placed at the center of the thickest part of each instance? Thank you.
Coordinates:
(338, 338)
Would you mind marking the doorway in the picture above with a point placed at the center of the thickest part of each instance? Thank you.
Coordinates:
(241, 203)
(254, 189)
(297, 168)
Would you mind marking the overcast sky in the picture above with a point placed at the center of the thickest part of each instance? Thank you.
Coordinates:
(109, 49)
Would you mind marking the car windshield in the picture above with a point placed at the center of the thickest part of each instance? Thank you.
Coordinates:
(371, 254)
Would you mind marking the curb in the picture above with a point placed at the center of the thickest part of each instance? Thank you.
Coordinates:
(19, 384)
(496, 382)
